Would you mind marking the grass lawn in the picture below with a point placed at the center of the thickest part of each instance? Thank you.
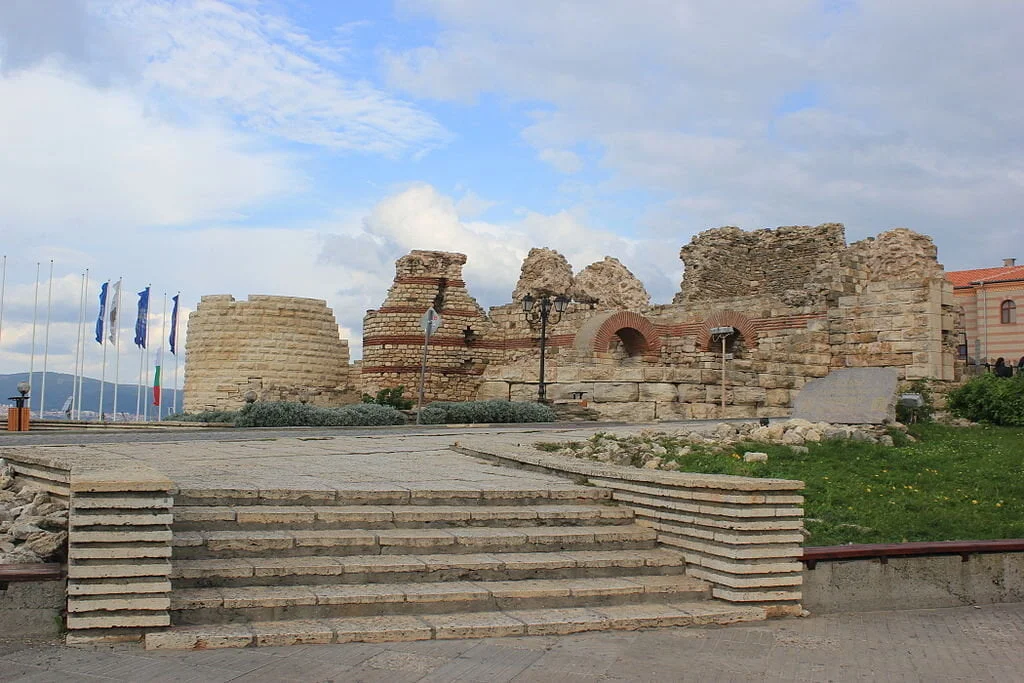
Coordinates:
(952, 484)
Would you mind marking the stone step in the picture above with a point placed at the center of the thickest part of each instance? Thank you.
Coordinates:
(457, 625)
(358, 569)
(242, 517)
(275, 543)
(367, 495)
(272, 603)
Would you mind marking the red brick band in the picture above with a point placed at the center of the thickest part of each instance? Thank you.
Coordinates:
(415, 369)
(428, 280)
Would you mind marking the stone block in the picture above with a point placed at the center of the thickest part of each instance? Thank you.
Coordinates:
(493, 390)
(658, 391)
(607, 392)
(849, 396)
(626, 412)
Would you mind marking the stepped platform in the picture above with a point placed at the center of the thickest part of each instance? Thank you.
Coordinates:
(291, 540)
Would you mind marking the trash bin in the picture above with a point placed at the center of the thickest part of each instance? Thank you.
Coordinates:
(17, 419)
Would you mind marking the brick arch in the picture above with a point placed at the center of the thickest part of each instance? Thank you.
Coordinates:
(642, 338)
(741, 322)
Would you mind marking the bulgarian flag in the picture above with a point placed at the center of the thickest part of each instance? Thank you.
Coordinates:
(156, 384)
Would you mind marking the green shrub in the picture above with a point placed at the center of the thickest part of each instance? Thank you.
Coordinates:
(987, 398)
(288, 414)
(390, 397)
(221, 416)
(908, 414)
(466, 412)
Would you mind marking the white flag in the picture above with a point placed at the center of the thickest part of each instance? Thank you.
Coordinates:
(115, 299)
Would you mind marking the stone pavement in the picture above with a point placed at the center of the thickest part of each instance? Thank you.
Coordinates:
(956, 644)
(321, 459)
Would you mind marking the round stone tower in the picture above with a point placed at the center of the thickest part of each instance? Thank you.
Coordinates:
(283, 348)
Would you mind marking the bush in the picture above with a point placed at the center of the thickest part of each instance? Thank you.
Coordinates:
(908, 414)
(288, 414)
(390, 397)
(987, 398)
(466, 412)
(221, 416)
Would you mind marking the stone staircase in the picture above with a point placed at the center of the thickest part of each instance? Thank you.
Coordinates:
(284, 567)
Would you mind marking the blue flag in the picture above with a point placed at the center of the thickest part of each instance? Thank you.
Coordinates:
(103, 312)
(142, 321)
(174, 323)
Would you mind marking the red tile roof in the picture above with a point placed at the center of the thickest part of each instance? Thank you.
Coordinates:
(964, 278)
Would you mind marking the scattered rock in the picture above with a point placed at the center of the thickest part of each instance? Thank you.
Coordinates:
(755, 456)
(33, 525)
(803, 450)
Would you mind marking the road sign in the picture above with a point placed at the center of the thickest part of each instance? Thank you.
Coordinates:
(430, 321)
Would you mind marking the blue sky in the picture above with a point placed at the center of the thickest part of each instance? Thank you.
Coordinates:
(299, 147)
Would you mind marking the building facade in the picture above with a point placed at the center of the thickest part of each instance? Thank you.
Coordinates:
(992, 300)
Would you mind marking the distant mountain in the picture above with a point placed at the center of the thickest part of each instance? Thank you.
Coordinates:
(58, 389)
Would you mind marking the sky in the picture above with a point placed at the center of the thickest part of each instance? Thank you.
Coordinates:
(298, 147)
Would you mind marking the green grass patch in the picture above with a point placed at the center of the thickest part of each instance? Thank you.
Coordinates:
(951, 484)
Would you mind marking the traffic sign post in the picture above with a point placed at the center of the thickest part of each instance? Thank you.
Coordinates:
(430, 322)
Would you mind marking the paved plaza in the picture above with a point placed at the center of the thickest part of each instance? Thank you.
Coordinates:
(956, 644)
(983, 643)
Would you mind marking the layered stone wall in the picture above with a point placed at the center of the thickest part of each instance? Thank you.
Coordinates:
(283, 348)
(787, 262)
(802, 303)
(393, 336)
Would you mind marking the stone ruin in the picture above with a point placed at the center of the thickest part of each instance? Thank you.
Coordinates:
(280, 348)
(802, 301)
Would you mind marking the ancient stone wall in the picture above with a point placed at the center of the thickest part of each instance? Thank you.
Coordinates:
(393, 337)
(792, 262)
(801, 300)
(283, 348)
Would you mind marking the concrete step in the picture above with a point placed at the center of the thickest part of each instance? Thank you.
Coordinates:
(366, 495)
(358, 569)
(298, 543)
(244, 517)
(457, 625)
(273, 603)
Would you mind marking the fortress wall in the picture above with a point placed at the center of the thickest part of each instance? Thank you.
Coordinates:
(284, 348)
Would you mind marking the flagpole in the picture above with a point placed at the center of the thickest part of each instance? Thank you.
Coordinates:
(115, 323)
(32, 356)
(103, 341)
(78, 344)
(145, 404)
(3, 291)
(140, 343)
(174, 351)
(81, 342)
(46, 342)
(160, 363)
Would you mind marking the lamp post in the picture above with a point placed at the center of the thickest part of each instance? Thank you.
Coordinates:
(543, 313)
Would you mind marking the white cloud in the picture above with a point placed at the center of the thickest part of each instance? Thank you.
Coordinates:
(114, 164)
(564, 160)
(265, 71)
(872, 113)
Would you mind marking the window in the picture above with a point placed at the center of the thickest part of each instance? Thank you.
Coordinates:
(1008, 312)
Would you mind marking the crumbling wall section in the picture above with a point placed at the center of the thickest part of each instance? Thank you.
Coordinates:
(393, 337)
(795, 263)
(283, 348)
(902, 313)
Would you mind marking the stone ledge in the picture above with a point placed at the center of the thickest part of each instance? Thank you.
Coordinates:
(530, 456)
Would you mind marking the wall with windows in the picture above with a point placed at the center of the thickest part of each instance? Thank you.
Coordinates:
(993, 320)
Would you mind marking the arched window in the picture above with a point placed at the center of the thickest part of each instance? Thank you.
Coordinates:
(1008, 312)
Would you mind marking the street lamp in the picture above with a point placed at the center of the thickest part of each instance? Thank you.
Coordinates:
(543, 313)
